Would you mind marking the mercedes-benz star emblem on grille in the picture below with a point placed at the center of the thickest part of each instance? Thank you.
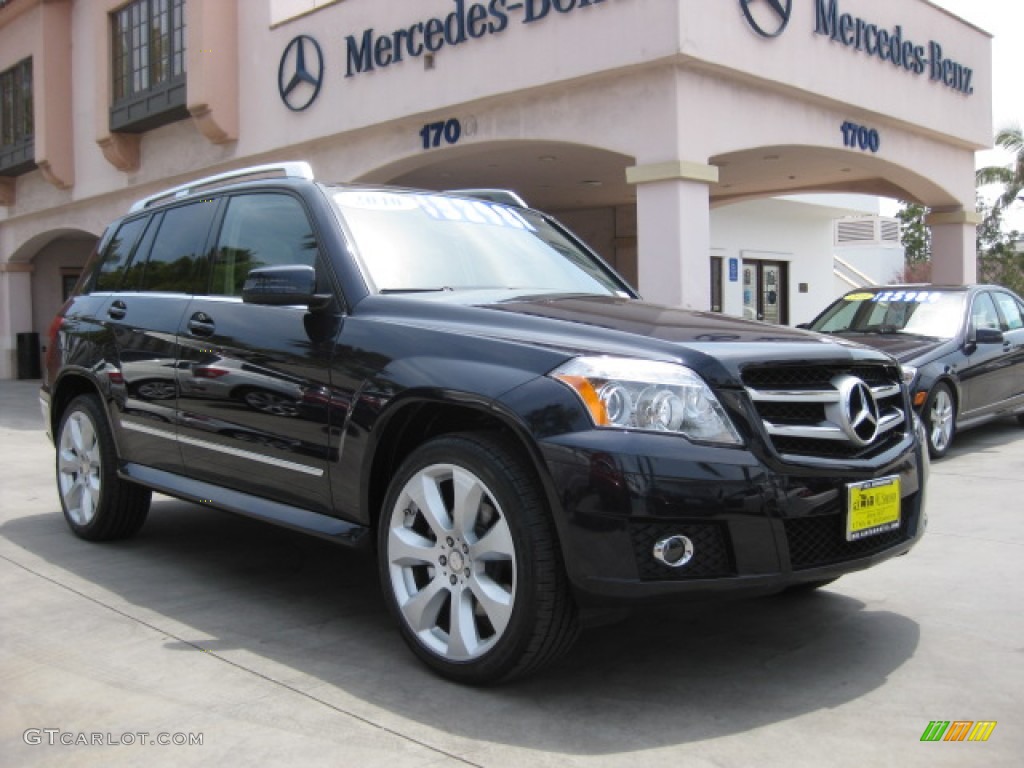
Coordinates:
(768, 18)
(301, 73)
(858, 411)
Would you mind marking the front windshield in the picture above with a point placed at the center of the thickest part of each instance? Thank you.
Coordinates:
(936, 314)
(410, 242)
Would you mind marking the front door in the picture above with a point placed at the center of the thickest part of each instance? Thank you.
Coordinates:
(252, 378)
(764, 291)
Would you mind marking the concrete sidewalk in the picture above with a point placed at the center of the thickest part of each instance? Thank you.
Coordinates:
(275, 649)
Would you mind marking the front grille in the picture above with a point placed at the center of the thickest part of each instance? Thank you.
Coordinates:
(812, 410)
(821, 540)
(712, 557)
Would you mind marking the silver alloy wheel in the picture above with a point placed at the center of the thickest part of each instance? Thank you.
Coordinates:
(451, 562)
(269, 402)
(940, 420)
(157, 390)
(79, 467)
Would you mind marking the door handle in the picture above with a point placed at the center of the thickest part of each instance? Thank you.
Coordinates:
(117, 310)
(201, 324)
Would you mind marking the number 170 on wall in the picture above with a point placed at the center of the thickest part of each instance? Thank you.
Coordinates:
(443, 131)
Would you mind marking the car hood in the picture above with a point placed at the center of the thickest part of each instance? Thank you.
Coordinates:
(904, 347)
(717, 346)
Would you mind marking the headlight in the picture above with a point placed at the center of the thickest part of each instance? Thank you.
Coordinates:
(642, 394)
(909, 374)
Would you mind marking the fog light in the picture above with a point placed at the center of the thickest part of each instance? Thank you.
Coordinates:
(675, 551)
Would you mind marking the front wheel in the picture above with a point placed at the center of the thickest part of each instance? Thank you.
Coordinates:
(470, 563)
(939, 420)
(98, 505)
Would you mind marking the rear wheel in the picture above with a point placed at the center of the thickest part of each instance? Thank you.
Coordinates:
(470, 563)
(97, 504)
(939, 420)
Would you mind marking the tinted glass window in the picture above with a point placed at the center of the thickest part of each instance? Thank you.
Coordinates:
(983, 312)
(1011, 311)
(175, 256)
(261, 230)
(425, 242)
(936, 314)
(118, 254)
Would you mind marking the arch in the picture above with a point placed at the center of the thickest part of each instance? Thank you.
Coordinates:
(770, 171)
(28, 250)
(549, 175)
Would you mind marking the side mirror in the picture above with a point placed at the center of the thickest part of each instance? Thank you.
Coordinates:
(804, 326)
(988, 336)
(293, 284)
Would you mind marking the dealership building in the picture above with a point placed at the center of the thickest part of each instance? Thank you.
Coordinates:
(718, 153)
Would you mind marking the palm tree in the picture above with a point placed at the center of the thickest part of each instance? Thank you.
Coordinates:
(1011, 176)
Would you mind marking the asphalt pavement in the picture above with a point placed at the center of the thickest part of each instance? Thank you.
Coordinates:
(211, 639)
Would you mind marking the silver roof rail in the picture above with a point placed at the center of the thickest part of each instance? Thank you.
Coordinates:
(504, 196)
(295, 170)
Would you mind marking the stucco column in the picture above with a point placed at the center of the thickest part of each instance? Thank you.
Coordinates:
(15, 313)
(674, 232)
(954, 246)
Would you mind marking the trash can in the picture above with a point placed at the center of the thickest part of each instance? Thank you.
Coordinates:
(28, 356)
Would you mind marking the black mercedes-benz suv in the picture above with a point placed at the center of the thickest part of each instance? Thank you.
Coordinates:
(457, 382)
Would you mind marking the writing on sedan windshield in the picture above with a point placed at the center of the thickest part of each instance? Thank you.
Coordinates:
(921, 298)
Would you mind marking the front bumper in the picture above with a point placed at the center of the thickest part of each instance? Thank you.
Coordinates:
(757, 526)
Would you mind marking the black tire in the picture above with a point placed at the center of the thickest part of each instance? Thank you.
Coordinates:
(939, 417)
(496, 556)
(98, 505)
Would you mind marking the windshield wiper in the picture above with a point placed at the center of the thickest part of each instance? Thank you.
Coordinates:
(385, 291)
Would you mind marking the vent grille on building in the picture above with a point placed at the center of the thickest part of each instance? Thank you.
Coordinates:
(867, 230)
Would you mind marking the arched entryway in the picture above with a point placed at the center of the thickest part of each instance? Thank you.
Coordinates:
(33, 286)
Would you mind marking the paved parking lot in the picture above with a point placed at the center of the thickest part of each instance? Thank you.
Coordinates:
(273, 648)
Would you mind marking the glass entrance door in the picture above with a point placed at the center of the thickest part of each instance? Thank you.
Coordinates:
(764, 291)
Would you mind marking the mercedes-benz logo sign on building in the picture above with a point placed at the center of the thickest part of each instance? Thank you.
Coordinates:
(767, 17)
(301, 73)
(857, 411)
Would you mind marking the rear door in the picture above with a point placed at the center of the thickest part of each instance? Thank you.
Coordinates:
(1011, 316)
(154, 282)
(252, 380)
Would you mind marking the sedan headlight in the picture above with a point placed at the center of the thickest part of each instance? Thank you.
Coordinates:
(652, 396)
(909, 373)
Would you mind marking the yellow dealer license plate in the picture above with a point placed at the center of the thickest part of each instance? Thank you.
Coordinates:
(873, 507)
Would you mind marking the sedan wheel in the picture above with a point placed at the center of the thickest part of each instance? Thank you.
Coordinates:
(940, 420)
(469, 562)
(97, 504)
(271, 402)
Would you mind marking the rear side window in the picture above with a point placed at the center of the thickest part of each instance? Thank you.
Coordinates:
(171, 257)
(118, 255)
(261, 230)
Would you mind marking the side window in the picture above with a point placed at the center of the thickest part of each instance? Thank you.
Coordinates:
(983, 312)
(118, 253)
(176, 256)
(1010, 310)
(260, 230)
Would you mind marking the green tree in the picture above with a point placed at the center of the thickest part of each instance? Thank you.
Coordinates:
(1011, 176)
(999, 261)
(916, 239)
